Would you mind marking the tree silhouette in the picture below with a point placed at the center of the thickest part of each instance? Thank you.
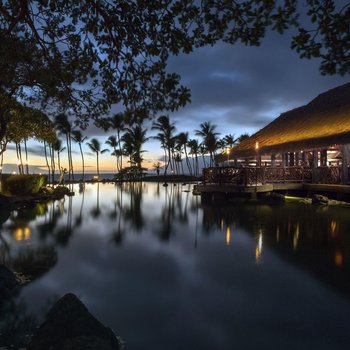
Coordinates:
(79, 139)
(95, 146)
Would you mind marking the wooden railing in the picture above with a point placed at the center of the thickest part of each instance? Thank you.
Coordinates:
(248, 176)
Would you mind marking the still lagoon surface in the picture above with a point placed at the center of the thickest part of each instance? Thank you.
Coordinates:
(166, 271)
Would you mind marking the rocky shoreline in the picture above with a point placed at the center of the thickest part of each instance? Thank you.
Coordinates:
(13, 202)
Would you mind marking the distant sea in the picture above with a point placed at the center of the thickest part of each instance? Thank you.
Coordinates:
(87, 176)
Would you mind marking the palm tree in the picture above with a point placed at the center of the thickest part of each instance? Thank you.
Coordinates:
(133, 139)
(57, 146)
(194, 150)
(117, 123)
(95, 146)
(165, 136)
(243, 137)
(183, 139)
(210, 141)
(64, 127)
(79, 138)
(113, 142)
(229, 140)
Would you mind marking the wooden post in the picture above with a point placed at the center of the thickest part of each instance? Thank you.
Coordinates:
(291, 158)
(345, 163)
(304, 158)
(314, 159)
(284, 159)
(315, 176)
(273, 160)
(297, 158)
(323, 157)
(258, 160)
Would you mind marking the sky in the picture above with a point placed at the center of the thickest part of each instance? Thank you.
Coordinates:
(240, 89)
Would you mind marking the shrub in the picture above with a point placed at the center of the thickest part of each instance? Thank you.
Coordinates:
(24, 184)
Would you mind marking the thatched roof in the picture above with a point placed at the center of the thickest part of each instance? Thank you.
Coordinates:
(323, 122)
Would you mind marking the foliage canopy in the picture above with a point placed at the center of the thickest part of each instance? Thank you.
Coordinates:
(84, 56)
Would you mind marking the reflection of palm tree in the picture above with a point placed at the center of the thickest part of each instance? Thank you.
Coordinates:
(167, 216)
(79, 139)
(133, 212)
(79, 218)
(95, 146)
(118, 233)
(63, 233)
(96, 212)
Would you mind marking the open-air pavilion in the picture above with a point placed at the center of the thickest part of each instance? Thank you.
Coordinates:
(309, 144)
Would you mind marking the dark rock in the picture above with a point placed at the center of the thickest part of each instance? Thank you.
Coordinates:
(69, 325)
(8, 282)
(46, 190)
(62, 190)
(319, 199)
(4, 201)
(275, 197)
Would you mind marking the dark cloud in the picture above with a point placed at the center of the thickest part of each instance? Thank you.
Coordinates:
(246, 87)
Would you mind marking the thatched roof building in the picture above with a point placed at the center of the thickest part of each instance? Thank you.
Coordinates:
(323, 122)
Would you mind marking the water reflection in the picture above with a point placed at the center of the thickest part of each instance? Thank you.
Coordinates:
(154, 261)
(314, 238)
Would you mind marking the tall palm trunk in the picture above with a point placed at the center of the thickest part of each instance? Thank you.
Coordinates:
(82, 160)
(47, 161)
(70, 155)
(188, 162)
(98, 166)
(26, 153)
(52, 156)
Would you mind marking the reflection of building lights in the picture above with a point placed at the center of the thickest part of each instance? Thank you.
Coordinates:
(333, 228)
(338, 258)
(21, 234)
(296, 237)
(258, 249)
(228, 235)
(278, 234)
(222, 223)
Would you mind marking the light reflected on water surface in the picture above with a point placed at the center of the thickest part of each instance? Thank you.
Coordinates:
(153, 263)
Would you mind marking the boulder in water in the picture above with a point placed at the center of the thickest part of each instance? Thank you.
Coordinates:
(70, 326)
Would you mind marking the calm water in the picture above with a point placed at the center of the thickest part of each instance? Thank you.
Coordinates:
(167, 272)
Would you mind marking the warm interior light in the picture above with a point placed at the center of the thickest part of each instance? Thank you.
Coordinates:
(228, 235)
(257, 145)
(258, 249)
(338, 258)
(21, 234)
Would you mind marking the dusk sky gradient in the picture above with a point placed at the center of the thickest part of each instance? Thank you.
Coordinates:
(238, 88)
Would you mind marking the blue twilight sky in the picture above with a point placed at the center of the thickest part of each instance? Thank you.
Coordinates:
(238, 88)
